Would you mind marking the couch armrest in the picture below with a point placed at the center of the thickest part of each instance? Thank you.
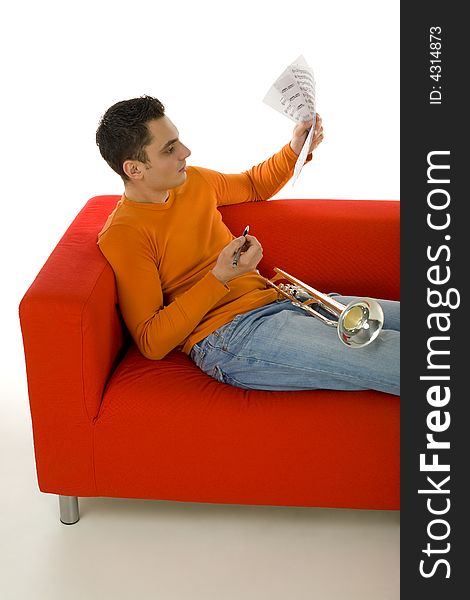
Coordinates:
(72, 337)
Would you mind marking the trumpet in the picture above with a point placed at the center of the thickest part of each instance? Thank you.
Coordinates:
(357, 323)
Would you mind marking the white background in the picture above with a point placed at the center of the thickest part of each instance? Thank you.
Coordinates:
(210, 63)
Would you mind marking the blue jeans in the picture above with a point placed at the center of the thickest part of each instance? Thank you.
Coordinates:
(280, 347)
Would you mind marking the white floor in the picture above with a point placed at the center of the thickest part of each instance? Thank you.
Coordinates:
(138, 549)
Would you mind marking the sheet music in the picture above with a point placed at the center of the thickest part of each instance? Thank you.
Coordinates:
(293, 95)
(303, 154)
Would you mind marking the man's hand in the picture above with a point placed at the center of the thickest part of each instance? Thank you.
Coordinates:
(301, 132)
(251, 255)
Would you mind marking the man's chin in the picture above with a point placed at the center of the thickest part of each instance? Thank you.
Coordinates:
(178, 181)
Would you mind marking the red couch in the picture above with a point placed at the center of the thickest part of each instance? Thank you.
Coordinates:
(109, 422)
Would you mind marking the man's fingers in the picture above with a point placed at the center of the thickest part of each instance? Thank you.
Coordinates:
(238, 242)
(251, 246)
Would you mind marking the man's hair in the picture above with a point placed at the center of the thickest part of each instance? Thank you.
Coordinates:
(123, 134)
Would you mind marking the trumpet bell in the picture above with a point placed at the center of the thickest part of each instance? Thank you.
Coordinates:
(360, 322)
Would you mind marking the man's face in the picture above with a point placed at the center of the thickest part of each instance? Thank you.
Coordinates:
(166, 164)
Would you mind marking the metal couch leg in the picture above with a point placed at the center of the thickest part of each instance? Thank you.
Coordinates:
(68, 506)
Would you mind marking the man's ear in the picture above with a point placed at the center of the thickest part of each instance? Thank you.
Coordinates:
(133, 169)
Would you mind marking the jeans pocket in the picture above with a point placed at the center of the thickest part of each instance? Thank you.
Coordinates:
(226, 332)
(197, 355)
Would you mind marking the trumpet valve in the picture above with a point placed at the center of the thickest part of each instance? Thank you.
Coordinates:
(296, 291)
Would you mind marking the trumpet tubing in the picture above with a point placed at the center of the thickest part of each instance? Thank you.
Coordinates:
(357, 323)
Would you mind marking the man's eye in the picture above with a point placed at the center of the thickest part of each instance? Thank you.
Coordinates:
(170, 149)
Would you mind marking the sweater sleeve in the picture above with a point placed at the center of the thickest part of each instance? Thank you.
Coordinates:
(259, 183)
(155, 328)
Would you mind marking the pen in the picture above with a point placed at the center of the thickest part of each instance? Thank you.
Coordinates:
(236, 256)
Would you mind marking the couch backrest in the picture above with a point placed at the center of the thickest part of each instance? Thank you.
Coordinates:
(346, 246)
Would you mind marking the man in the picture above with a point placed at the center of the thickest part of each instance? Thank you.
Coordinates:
(178, 286)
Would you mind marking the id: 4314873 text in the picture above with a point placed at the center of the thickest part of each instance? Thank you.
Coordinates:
(435, 64)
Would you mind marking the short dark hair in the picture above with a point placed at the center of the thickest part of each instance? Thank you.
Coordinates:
(123, 134)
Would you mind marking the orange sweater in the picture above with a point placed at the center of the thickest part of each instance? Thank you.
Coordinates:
(162, 254)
